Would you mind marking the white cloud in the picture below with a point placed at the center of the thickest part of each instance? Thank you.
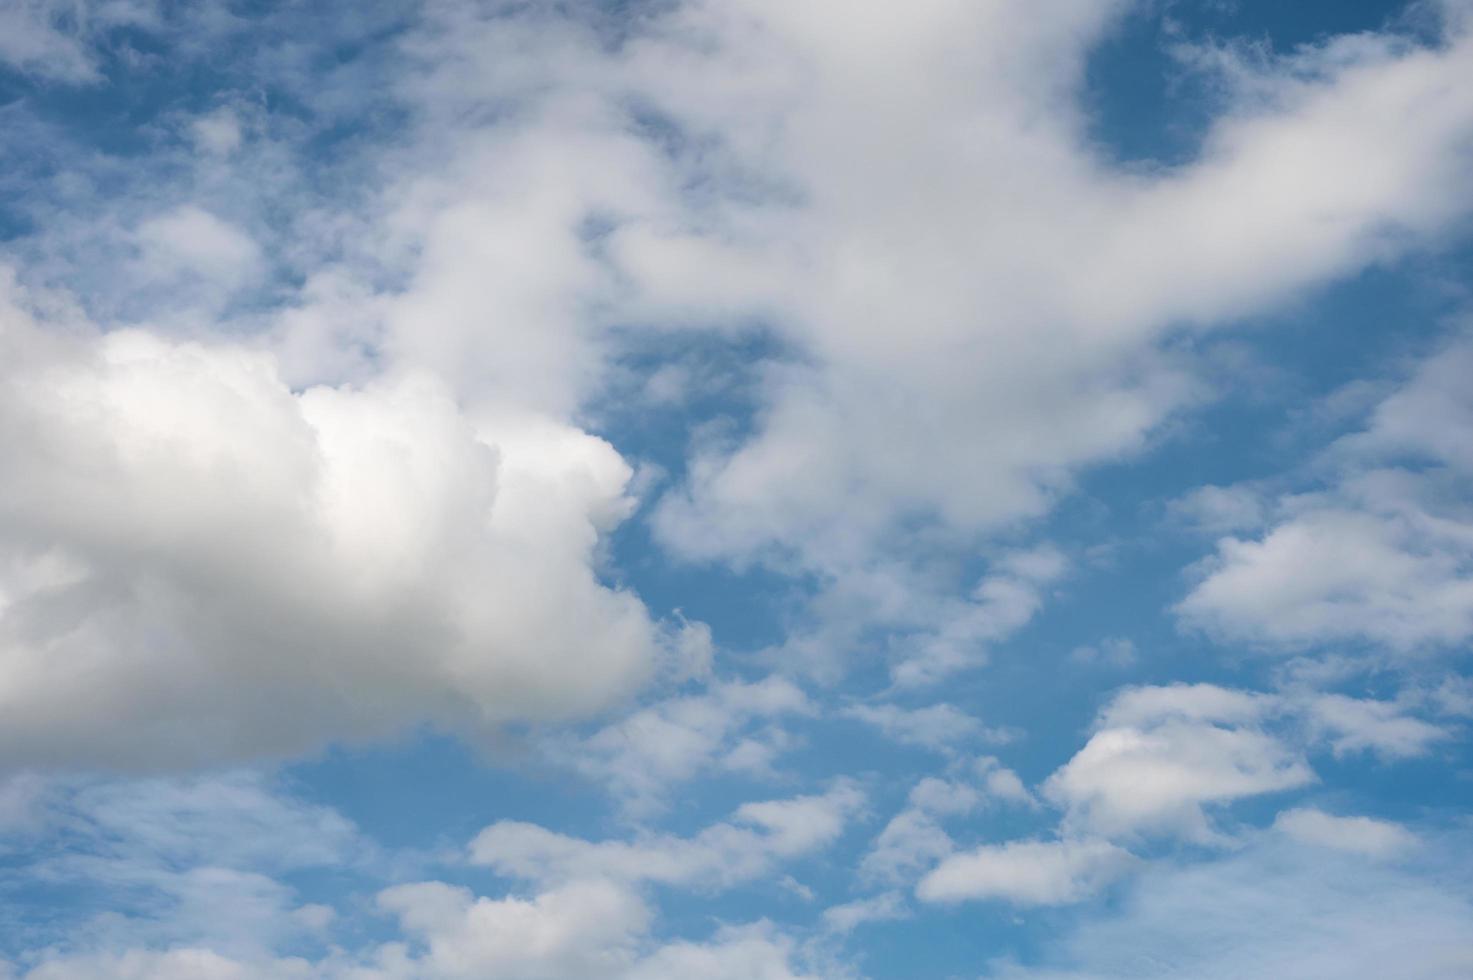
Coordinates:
(939, 727)
(747, 846)
(54, 39)
(190, 874)
(580, 929)
(1360, 835)
(1026, 872)
(184, 963)
(932, 297)
(1001, 783)
(1338, 574)
(1160, 755)
(1217, 510)
(189, 239)
(1276, 909)
(914, 838)
(184, 863)
(641, 757)
(1383, 556)
(1002, 603)
(202, 564)
(1383, 727)
(1030, 278)
(752, 953)
(217, 133)
(883, 907)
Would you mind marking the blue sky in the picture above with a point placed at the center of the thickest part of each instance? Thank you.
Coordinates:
(735, 488)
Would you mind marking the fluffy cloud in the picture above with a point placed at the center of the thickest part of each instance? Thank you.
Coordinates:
(732, 727)
(1359, 835)
(202, 563)
(1031, 278)
(1384, 556)
(190, 877)
(581, 929)
(1334, 573)
(1026, 872)
(757, 836)
(1160, 755)
(915, 838)
(1359, 725)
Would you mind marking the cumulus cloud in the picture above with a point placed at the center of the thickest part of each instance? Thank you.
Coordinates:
(201, 563)
(1360, 835)
(581, 929)
(915, 837)
(748, 846)
(1160, 755)
(1364, 725)
(730, 727)
(851, 915)
(1026, 872)
(1384, 555)
(1031, 307)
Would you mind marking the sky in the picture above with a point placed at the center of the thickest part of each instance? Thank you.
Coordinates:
(740, 489)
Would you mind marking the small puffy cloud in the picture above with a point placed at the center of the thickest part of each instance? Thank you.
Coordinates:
(1362, 725)
(915, 838)
(1001, 783)
(1383, 556)
(1336, 574)
(886, 906)
(1027, 872)
(757, 836)
(940, 727)
(1219, 510)
(1139, 706)
(1161, 755)
(1360, 835)
(731, 726)
(581, 929)
(1001, 604)
(757, 952)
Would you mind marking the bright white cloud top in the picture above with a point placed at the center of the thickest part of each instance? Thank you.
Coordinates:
(735, 488)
